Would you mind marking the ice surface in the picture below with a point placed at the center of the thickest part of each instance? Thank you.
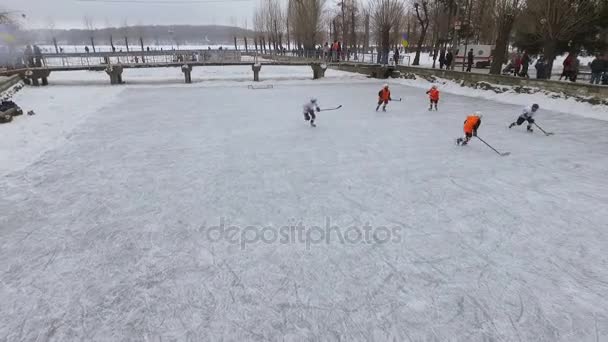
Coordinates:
(105, 236)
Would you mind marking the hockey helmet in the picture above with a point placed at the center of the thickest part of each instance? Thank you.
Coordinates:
(535, 107)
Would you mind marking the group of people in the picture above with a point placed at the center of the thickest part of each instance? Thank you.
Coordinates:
(33, 56)
(473, 121)
(333, 52)
(446, 59)
(518, 65)
(384, 97)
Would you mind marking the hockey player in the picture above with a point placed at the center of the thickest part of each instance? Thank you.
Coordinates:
(383, 97)
(527, 115)
(471, 125)
(309, 111)
(433, 96)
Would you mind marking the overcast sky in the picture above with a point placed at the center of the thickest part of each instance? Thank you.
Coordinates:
(70, 13)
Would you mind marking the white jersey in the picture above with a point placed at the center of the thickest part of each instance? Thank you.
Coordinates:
(528, 113)
(310, 107)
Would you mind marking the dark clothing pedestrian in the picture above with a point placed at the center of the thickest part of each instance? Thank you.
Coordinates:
(598, 67)
(470, 58)
(575, 69)
(37, 56)
(516, 65)
(568, 64)
(525, 63)
(441, 59)
(449, 57)
(540, 68)
(396, 56)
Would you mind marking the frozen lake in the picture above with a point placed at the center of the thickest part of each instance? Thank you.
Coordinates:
(113, 234)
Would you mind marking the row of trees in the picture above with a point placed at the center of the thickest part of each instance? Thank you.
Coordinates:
(551, 27)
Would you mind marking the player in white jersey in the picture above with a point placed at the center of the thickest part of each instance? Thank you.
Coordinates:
(309, 111)
(527, 115)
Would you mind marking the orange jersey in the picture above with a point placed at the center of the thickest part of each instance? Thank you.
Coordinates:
(384, 95)
(471, 123)
(433, 94)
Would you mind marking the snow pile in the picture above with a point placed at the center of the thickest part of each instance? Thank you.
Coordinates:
(518, 95)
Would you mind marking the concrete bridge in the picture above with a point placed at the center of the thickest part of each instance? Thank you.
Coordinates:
(40, 67)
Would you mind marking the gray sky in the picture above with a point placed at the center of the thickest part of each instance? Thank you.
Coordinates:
(70, 13)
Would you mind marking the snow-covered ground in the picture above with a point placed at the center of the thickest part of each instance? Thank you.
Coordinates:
(563, 105)
(160, 214)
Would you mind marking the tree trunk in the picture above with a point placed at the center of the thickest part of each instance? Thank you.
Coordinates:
(386, 45)
(366, 38)
(549, 50)
(502, 43)
(419, 47)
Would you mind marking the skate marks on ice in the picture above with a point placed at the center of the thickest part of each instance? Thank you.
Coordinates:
(104, 242)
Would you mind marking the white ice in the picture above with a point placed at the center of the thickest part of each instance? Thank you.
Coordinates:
(104, 236)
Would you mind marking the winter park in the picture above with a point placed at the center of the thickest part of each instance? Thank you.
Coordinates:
(307, 170)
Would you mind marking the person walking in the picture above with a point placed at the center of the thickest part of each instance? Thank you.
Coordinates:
(396, 56)
(540, 68)
(597, 69)
(525, 63)
(576, 63)
(441, 58)
(567, 71)
(470, 58)
(449, 58)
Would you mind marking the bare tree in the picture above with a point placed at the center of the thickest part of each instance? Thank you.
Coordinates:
(423, 20)
(90, 27)
(386, 15)
(305, 17)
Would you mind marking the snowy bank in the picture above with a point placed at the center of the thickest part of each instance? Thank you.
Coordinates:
(510, 94)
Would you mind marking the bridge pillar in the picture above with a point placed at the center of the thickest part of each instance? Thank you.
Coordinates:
(256, 71)
(115, 73)
(37, 76)
(187, 70)
(384, 72)
(318, 70)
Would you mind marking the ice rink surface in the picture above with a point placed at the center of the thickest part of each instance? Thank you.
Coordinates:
(106, 237)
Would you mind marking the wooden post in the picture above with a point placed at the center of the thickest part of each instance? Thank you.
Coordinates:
(143, 57)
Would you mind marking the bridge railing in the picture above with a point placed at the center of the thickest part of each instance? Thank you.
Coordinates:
(133, 57)
(334, 57)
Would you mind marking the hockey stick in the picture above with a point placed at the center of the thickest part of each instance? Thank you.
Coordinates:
(504, 154)
(328, 109)
(542, 130)
(397, 100)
